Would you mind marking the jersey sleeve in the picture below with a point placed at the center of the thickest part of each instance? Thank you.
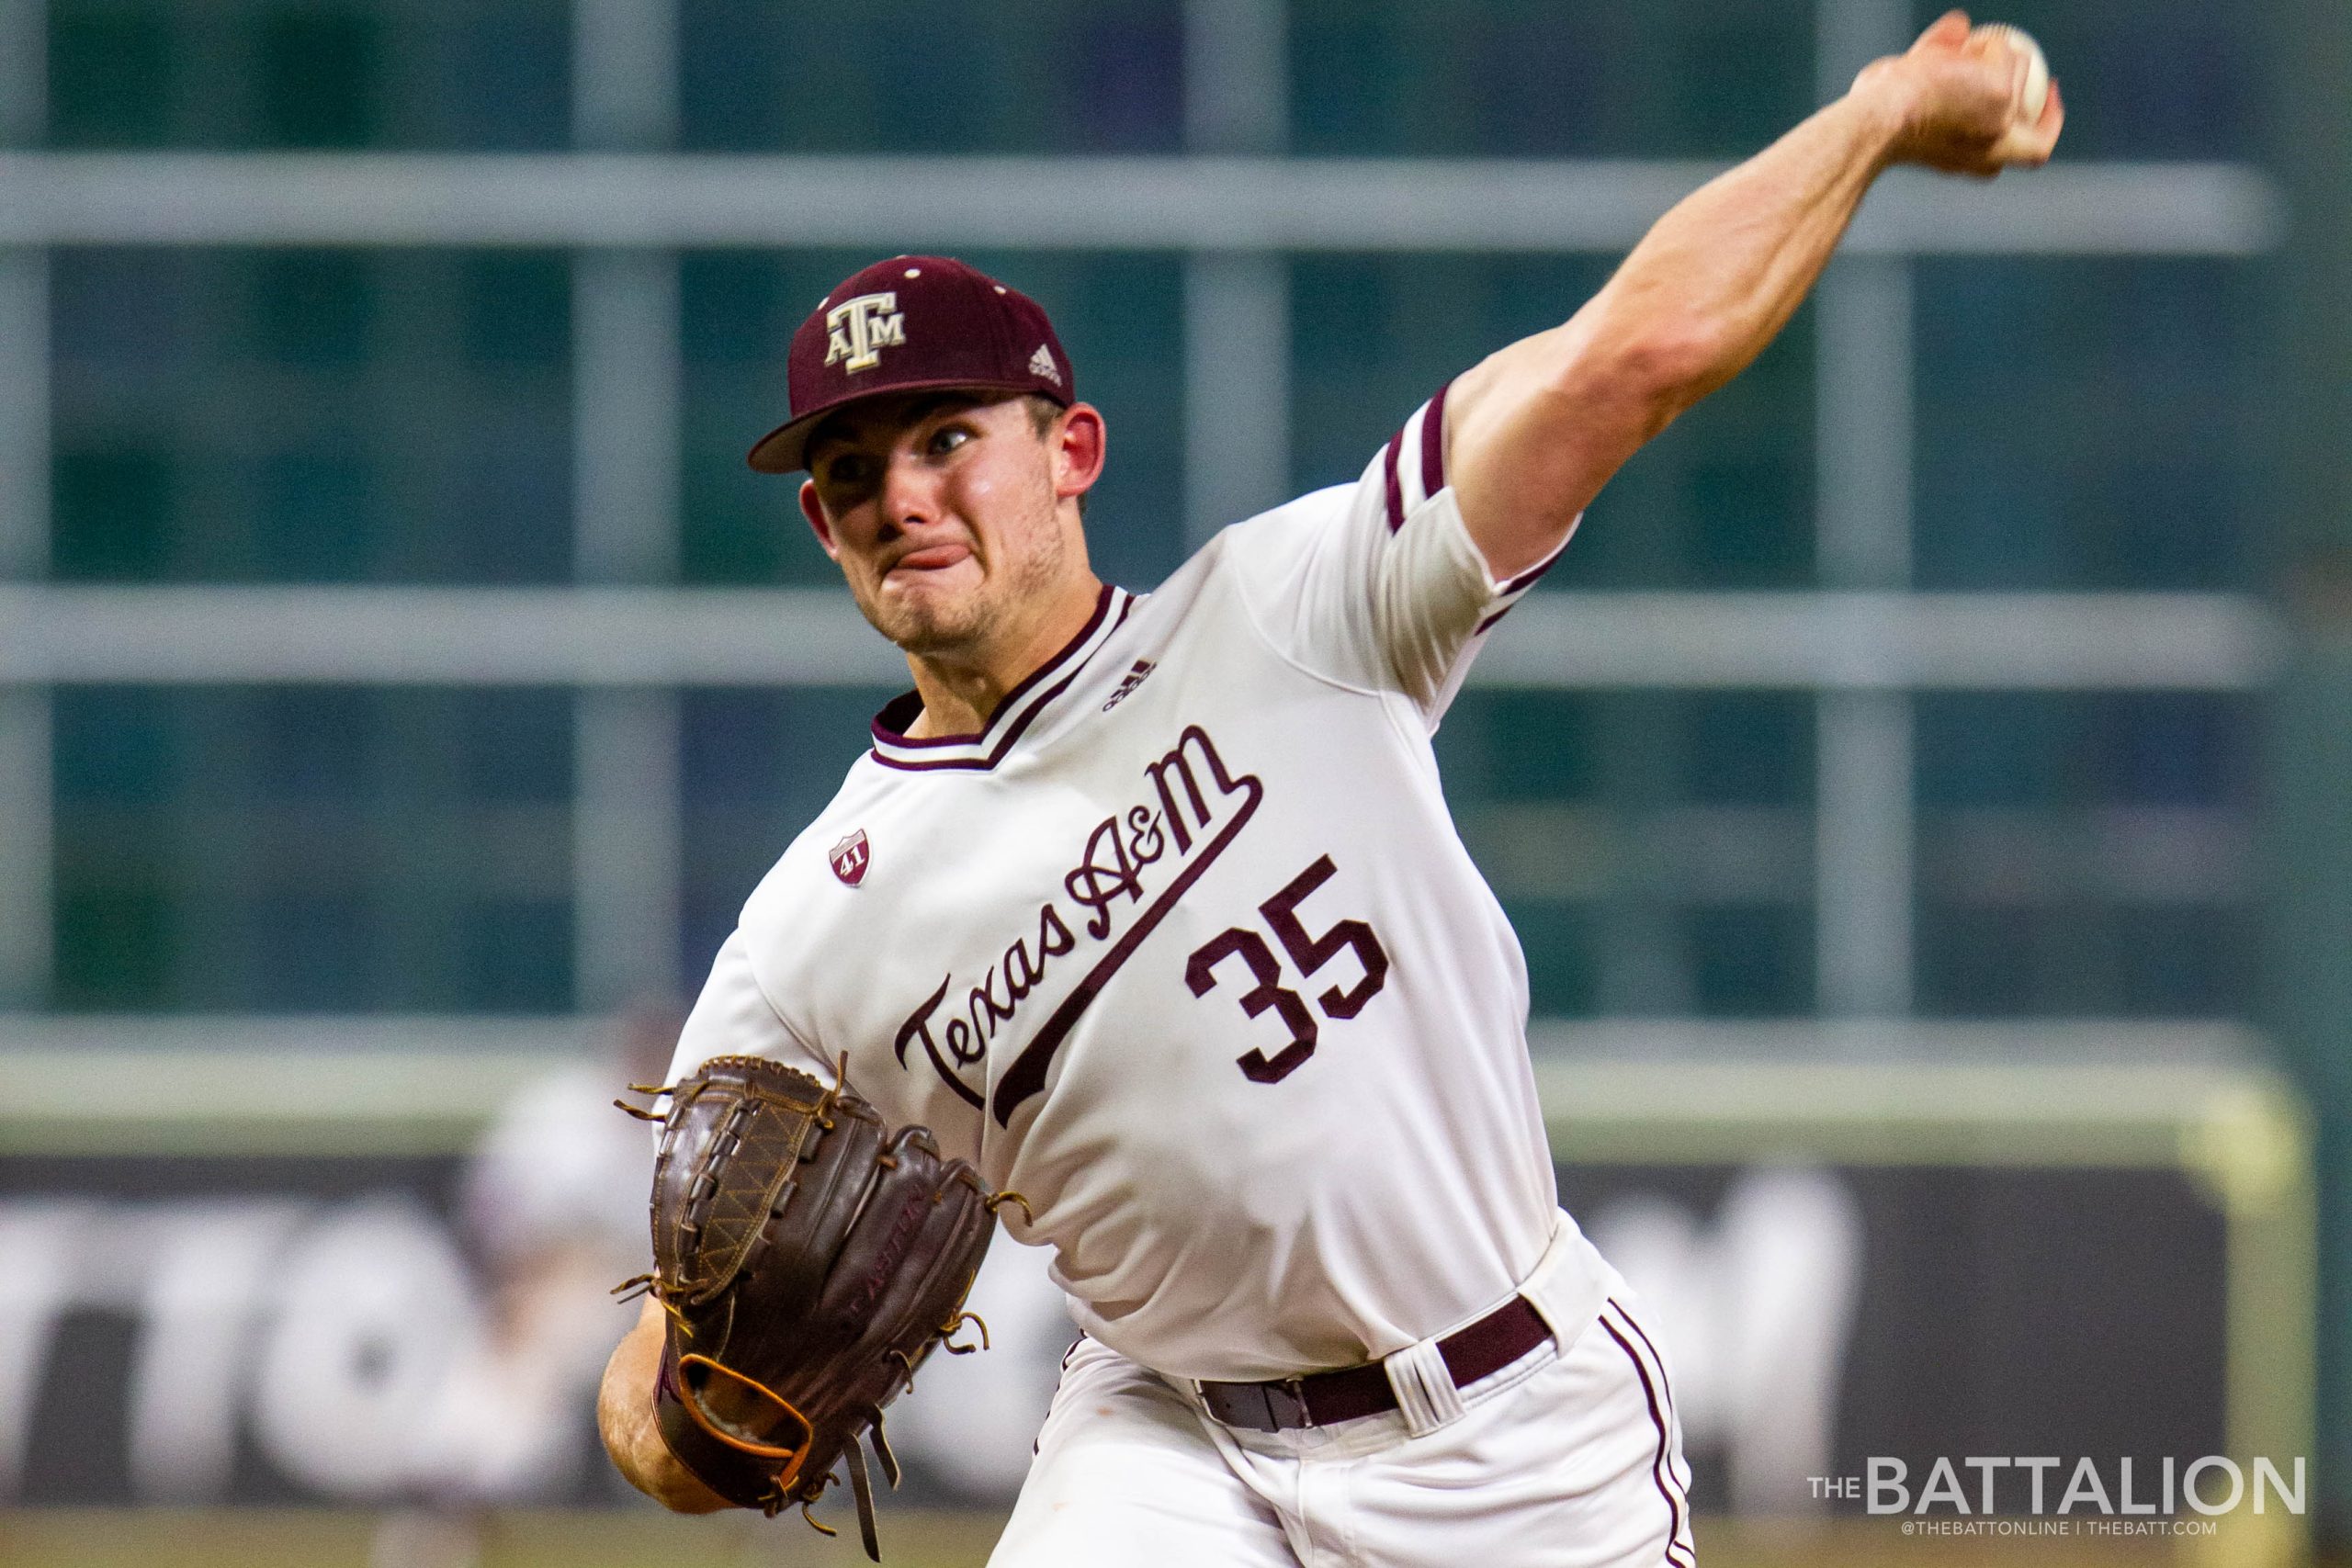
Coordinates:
(733, 1017)
(1378, 583)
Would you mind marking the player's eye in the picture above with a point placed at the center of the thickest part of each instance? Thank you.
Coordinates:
(946, 438)
(849, 468)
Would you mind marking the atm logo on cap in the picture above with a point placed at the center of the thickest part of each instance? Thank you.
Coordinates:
(860, 329)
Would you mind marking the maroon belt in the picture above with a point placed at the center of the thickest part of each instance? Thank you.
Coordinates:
(1489, 1345)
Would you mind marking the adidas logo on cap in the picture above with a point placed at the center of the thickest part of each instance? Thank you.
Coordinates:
(1042, 363)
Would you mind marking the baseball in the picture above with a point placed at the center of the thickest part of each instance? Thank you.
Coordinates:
(2037, 69)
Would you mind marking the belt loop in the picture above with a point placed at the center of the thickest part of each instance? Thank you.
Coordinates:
(1567, 1305)
(1424, 1387)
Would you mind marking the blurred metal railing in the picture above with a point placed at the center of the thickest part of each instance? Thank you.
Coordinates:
(684, 201)
(613, 636)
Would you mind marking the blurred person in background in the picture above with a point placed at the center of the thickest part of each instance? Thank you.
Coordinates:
(553, 1208)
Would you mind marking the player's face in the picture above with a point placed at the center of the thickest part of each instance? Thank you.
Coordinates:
(943, 512)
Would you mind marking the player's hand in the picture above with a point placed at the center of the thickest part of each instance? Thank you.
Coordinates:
(625, 1419)
(1956, 98)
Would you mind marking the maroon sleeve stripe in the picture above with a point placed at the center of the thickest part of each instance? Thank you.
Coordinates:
(1433, 445)
(1523, 580)
(1396, 480)
(1531, 573)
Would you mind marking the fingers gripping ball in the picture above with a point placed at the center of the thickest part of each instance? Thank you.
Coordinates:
(2032, 77)
(809, 1258)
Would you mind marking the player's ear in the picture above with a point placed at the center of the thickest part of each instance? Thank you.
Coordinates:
(1078, 437)
(814, 509)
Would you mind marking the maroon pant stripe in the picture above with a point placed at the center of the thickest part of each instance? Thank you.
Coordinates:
(1661, 1470)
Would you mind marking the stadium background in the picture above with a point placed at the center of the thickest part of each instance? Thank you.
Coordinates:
(1921, 794)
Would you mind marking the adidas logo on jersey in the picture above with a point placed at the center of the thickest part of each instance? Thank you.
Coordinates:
(1128, 683)
(1042, 363)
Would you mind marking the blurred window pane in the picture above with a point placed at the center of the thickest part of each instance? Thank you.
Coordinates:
(494, 75)
(1653, 850)
(1520, 78)
(1562, 970)
(919, 76)
(315, 520)
(318, 70)
(312, 307)
(321, 849)
(114, 944)
(1750, 748)
(2117, 961)
(2176, 79)
(2086, 853)
(114, 746)
(2052, 750)
(517, 307)
(392, 74)
(112, 73)
(111, 511)
(2091, 423)
(308, 949)
(312, 416)
(517, 747)
(519, 956)
(314, 743)
(1750, 961)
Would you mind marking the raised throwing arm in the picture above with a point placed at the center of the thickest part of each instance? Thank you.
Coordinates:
(1534, 431)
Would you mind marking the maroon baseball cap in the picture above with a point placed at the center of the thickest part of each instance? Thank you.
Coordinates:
(912, 324)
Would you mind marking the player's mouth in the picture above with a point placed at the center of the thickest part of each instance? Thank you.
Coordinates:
(931, 558)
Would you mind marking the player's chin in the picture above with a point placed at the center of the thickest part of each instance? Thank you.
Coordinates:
(924, 617)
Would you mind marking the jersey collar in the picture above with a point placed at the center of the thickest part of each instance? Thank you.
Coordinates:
(1021, 708)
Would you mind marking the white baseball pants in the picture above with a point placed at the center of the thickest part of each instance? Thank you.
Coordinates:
(1560, 1460)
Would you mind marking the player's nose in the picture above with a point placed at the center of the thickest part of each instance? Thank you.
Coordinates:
(908, 493)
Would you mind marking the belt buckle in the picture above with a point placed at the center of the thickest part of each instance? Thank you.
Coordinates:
(1286, 1397)
(1270, 1407)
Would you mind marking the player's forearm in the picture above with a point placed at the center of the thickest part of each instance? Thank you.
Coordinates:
(625, 1419)
(1719, 276)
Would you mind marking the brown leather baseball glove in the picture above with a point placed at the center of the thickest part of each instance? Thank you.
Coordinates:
(808, 1259)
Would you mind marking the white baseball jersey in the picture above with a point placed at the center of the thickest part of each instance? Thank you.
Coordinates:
(1185, 950)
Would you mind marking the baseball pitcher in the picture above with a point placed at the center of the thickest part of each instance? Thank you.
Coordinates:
(1150, 909)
